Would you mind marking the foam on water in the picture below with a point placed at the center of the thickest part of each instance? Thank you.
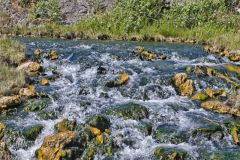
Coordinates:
(133, 144)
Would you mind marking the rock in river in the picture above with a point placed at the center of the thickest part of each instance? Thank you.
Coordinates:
(130, 111)
(9, 101)
(184, 84)
(221, 107)
(63, 145)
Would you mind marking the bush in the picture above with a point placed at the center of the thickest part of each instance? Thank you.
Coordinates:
(200, 12)
(24, 3)
(46, 10)
(134, 14)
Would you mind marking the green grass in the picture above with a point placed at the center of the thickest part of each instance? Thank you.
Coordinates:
(11, 51)
(211, 21)
(10, 78)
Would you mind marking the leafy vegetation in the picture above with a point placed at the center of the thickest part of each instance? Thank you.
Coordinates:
(11, 52)
(43, 9)
(10, 78)
(215, 21)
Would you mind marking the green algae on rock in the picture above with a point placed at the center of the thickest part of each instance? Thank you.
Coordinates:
(130, 111)
(65, 125)
(36, 105)
(100, 122)
(31, 133)
(170, 154)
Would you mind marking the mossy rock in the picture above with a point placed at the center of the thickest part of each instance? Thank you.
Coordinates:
(31, 133)
(146, 128)
(144, 81)
(66, 125)
(130, 111)
(200, 96)
(47, 115)
(207, 131)
(169, 134)
(100, 122)
(170, 154)
(63, 145)
(36, 105)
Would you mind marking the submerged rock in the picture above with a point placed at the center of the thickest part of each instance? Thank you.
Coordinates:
(5, 153)
(122, 79)
(169, 134)
(9, 101)
(44, 82)
(31, 133)
(101, 70)
(63, 145)
(66, 125)
(170, 154)
(36, 105)
(130, 111)
(184, 84)
(100, 122)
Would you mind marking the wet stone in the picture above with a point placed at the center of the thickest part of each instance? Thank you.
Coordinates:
(170, 134)
(130, 111)
(31, 133)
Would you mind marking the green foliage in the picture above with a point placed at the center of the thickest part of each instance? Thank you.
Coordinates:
(24, 3)
(199, 12)
(49, 10)
(134, 14)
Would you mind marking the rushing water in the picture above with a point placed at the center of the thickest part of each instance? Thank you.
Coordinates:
(149, 85)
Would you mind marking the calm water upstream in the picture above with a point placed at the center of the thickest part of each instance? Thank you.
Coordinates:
(80, 93)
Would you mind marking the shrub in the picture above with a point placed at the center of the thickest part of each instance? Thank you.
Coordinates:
(46, 10)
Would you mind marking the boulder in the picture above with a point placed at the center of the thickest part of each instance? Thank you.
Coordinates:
(44, 82)
(5, 153)
(200, 96)
(30, 91)
(122, 79)
(31, 68)
(9, 101)
(184, 84)
(63, 145)
(220, 107)
(167, 133)
(100, 122)
(235, 57)
(170, 154)
(38, 52)
(233, 68)
(53, 55)
(36, 105)
(31, 133)
(215, 93)
(130, 111)
(147, 55)
(65, 125)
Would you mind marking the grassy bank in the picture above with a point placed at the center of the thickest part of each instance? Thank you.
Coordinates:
(11, 54)
(209, 21)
